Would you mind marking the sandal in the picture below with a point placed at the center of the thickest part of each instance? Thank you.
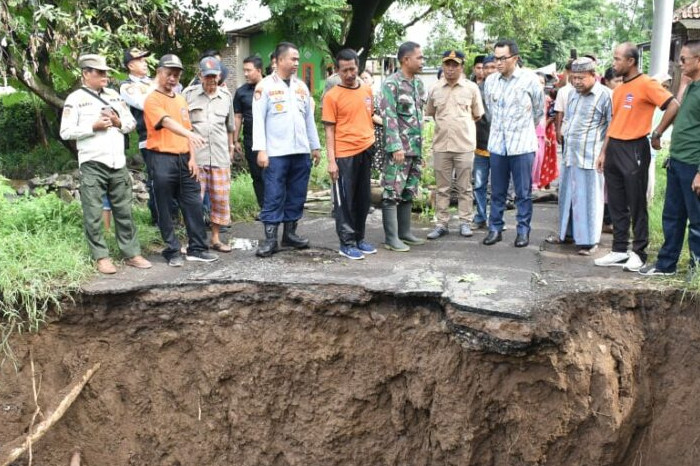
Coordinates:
(587, 251)
(554, 239)
(221, 247)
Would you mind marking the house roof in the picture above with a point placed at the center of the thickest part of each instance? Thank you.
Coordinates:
(690, 11)
(248, 30)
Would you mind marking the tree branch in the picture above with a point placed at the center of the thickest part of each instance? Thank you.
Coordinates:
(46, 93)
(419, 17)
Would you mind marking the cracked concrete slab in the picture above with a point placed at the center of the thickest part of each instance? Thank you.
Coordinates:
(498, 280)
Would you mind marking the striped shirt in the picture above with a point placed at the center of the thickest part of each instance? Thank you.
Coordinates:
(514, 105)
(586, 121)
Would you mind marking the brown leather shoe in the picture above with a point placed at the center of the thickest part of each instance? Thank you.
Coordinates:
(139, 262)
(105, 266)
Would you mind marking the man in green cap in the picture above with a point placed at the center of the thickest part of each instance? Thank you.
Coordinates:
(97, 118)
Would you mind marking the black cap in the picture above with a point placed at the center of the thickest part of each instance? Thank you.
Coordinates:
(479, 59)
(134, 53)
(170, 61)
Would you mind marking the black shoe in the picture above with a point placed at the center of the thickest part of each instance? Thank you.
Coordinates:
(492, 238)
(269, 246)
(290, 237)
(521, 241)
(510, 205)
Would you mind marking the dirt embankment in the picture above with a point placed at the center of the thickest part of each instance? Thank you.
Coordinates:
(245, 374)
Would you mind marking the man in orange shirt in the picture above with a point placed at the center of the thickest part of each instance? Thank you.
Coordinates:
(347, 118)
(171, 144)
(625, 156)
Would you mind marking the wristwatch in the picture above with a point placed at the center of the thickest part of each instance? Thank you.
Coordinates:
(655, 135)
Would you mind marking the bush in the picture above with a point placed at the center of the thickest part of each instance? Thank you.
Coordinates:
(40, 161)
(18, 122)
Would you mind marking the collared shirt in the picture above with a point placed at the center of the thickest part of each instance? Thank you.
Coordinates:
(515, 105)
(212, 118)
(81, 110)
(134, 92)
(563, 98)
(283, 117)
(686, 127)
(402, 112)
(243, 105)
(454, 107)
(586, 120)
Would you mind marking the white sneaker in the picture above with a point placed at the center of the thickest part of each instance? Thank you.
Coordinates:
(613, 259)
(633, 264)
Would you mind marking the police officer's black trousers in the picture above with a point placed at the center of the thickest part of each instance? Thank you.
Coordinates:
(352, 196)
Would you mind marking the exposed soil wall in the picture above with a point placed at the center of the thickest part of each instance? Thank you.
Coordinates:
(246, 374)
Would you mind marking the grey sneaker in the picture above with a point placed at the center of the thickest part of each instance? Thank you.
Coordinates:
(464, 230)
(650, 270)
(437, 232)
(202, 256)
(176, 261)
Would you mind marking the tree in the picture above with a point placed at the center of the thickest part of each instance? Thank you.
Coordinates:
(337, 24)
(43, 39)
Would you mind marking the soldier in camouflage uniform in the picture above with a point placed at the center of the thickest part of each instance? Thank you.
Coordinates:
(403, 96)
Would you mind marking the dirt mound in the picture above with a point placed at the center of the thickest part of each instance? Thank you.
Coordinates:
(245, 374)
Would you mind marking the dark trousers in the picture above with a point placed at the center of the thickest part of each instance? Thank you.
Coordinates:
(519, 167)
(256, 173)
(172, 181)
(626, 177)
(351, 196)
(286, 182)
(681, 209)
(146, 154)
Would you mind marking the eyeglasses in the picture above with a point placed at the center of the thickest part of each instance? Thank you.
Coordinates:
(685, 59)
(503, 58)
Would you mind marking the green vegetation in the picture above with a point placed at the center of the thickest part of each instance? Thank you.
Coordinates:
(683, 279)
(244, 205)
(44, 257)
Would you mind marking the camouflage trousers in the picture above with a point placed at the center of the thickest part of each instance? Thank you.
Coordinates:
(401, 181)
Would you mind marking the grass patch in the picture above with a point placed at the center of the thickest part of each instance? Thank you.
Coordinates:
(244, 205)
(44, 257)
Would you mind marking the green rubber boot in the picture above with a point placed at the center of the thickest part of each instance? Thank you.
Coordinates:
(391, 228)
(403, 214)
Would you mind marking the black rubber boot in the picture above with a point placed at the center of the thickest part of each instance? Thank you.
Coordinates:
(391, 228)
(403, 213)
(269, 245)
(290, 237)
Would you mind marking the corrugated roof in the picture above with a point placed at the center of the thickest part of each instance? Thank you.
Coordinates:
(690, 11)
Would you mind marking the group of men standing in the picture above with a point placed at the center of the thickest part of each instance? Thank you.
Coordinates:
(188, 141)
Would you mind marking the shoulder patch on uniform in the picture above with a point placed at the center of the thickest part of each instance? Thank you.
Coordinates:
(66, 111)
(258, 93)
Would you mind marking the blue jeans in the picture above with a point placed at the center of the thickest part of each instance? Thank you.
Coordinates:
(681, 208)
(286, 181)
(520, 168)
(482, 166)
